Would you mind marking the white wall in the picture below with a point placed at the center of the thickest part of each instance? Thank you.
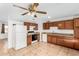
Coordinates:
(10, 28)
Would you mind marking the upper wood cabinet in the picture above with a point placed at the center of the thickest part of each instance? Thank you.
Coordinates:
(61, 24)
(53, 24)
(46, 25)
(28, 24)
(76, 22)
(69, 24)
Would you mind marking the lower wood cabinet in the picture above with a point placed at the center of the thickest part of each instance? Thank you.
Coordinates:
(60, 40)
(70, 42)
(76, 44)
(53, 39)
(49, 38)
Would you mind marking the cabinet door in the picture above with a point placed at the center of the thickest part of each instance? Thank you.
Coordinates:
(52, 24)
(53, 39)
(29, 40)
(45, 25)
(60, 40)
(76, 22)
(49, 39)
(61, 25)
(76, 44)
(76, 33)
(68, 42)
(69, 24)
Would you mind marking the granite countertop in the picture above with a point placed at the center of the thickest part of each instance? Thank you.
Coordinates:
(59, 34)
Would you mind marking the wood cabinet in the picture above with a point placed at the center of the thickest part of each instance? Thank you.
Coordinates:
(76, 28)
(61, 24)
(69, 24)
(29, 39)
(28, 24)
(76, 33)
(76, 44)
(64, 41)
(53, 24)
(53, 39)
(76, 22)
(68, 42)
(60, 40)
(46, 25)
(49, 38)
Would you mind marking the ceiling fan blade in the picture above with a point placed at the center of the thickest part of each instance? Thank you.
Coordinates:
(20, 7)
(25, 13)
(42, 12)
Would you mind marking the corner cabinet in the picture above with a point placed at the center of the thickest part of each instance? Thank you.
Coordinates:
(76, 27)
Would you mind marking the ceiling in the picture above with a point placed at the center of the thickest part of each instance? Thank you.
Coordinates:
(54, 10)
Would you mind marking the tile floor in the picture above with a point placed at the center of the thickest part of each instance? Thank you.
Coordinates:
(39, 49)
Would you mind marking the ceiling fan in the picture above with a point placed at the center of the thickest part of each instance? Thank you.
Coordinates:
(32, 9)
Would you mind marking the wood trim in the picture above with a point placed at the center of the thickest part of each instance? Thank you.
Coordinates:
(3, 28)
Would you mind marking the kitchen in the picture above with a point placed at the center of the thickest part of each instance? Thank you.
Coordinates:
(64, 33)
(53, 31)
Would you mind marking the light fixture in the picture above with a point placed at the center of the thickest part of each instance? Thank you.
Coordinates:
(49, 17)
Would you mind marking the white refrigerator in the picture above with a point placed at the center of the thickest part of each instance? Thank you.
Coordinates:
(20, 36)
